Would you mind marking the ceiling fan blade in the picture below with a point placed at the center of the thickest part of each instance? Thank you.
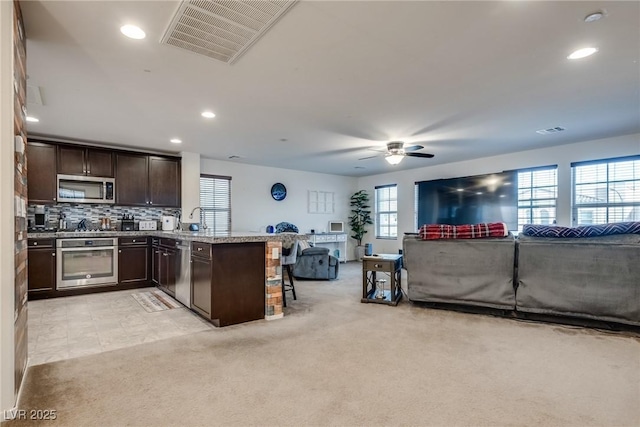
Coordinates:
(370, 157)
(423, 155)
(413, 148)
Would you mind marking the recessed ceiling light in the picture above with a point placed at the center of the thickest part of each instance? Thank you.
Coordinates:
(582, 53)
(176, 141)
(208, 114)
(479, 192)
(32, 119)
(459, 189)
(132, 32)
(595, 16)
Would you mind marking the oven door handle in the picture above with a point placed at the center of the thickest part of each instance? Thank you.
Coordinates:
(87, 248)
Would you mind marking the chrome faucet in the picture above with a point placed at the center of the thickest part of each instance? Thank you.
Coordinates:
(204, 221)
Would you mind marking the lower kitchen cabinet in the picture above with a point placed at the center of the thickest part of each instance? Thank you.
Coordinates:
(42, 265)
(164, 262)
(227, 282)
(134, 264)
(201, 285)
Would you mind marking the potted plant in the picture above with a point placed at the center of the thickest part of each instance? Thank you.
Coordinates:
(359, 219)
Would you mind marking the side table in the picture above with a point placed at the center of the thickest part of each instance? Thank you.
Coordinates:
(391, 266)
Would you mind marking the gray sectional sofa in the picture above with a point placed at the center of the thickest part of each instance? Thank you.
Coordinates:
(594, 278)
(466, 271)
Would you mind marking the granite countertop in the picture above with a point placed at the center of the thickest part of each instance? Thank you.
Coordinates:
(195, 236)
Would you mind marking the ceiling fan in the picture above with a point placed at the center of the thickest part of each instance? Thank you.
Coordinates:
(396, 151)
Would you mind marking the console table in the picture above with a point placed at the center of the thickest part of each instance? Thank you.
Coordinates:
(333, 241)
(389, 265)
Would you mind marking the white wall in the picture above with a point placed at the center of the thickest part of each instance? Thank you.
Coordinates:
(190, 183)
(253, 208)
(562, 156)
(7, 167)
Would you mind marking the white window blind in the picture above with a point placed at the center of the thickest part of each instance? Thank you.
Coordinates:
(606, 191)
(215, 201)
(387, 212)
(537, 195)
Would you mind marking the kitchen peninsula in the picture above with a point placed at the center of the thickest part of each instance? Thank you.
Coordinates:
(230, 278)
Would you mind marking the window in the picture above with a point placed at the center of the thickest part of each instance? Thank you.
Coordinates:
(387, 212)
(606, 191)
(537, 194)
(416, 200)
(215, 201)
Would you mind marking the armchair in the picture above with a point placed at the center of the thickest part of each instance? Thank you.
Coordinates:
(314, 262)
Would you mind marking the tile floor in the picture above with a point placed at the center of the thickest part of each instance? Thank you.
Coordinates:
(64, 328)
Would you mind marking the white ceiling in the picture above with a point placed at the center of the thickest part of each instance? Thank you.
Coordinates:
(333, 78)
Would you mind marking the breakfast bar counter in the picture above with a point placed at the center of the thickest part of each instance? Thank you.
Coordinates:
(234, 277)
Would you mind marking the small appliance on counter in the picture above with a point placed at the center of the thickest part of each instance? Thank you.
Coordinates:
(168, 223)
(41, 217)
(127, 223)
(105, 223)
(147, 225)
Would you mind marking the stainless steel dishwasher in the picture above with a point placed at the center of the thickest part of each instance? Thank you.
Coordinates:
(183, 272)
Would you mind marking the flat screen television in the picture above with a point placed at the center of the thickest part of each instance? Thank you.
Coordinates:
(469, 200)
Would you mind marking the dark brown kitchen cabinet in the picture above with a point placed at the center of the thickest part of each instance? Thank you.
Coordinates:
(131, 179)
(41, 172)
(41, 265)
(147, 180)
(164, 264)
(134, 264)
(164, 182)
(227, 282)
(74, 160)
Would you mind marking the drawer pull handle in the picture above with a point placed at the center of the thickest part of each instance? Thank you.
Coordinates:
(377, 265)
(199, 249)
(134, 240)
(35, 243)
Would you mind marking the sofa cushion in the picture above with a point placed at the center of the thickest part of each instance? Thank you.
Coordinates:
(302, 245)
(315, 251)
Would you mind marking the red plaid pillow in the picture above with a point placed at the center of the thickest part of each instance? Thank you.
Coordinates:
(465, 231)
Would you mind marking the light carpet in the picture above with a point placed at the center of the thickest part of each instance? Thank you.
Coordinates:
(335, 361)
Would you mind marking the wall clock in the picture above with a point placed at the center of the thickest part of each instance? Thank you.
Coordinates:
(278, 191)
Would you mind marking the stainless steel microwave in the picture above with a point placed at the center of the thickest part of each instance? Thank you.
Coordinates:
(85, 189)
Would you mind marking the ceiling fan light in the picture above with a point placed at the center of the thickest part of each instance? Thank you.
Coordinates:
(393, 159)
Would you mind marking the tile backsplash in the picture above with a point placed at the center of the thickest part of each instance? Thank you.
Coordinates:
(74, 213)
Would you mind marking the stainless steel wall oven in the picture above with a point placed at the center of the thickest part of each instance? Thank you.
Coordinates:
(87, 262)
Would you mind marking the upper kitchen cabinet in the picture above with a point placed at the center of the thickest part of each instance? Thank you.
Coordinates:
(85, 161)
(147, 180)
(41, 172)
(164, 181)
(132, 179)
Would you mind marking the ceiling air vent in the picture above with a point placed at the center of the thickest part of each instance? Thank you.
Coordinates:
(222, 29)
(550, 130)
